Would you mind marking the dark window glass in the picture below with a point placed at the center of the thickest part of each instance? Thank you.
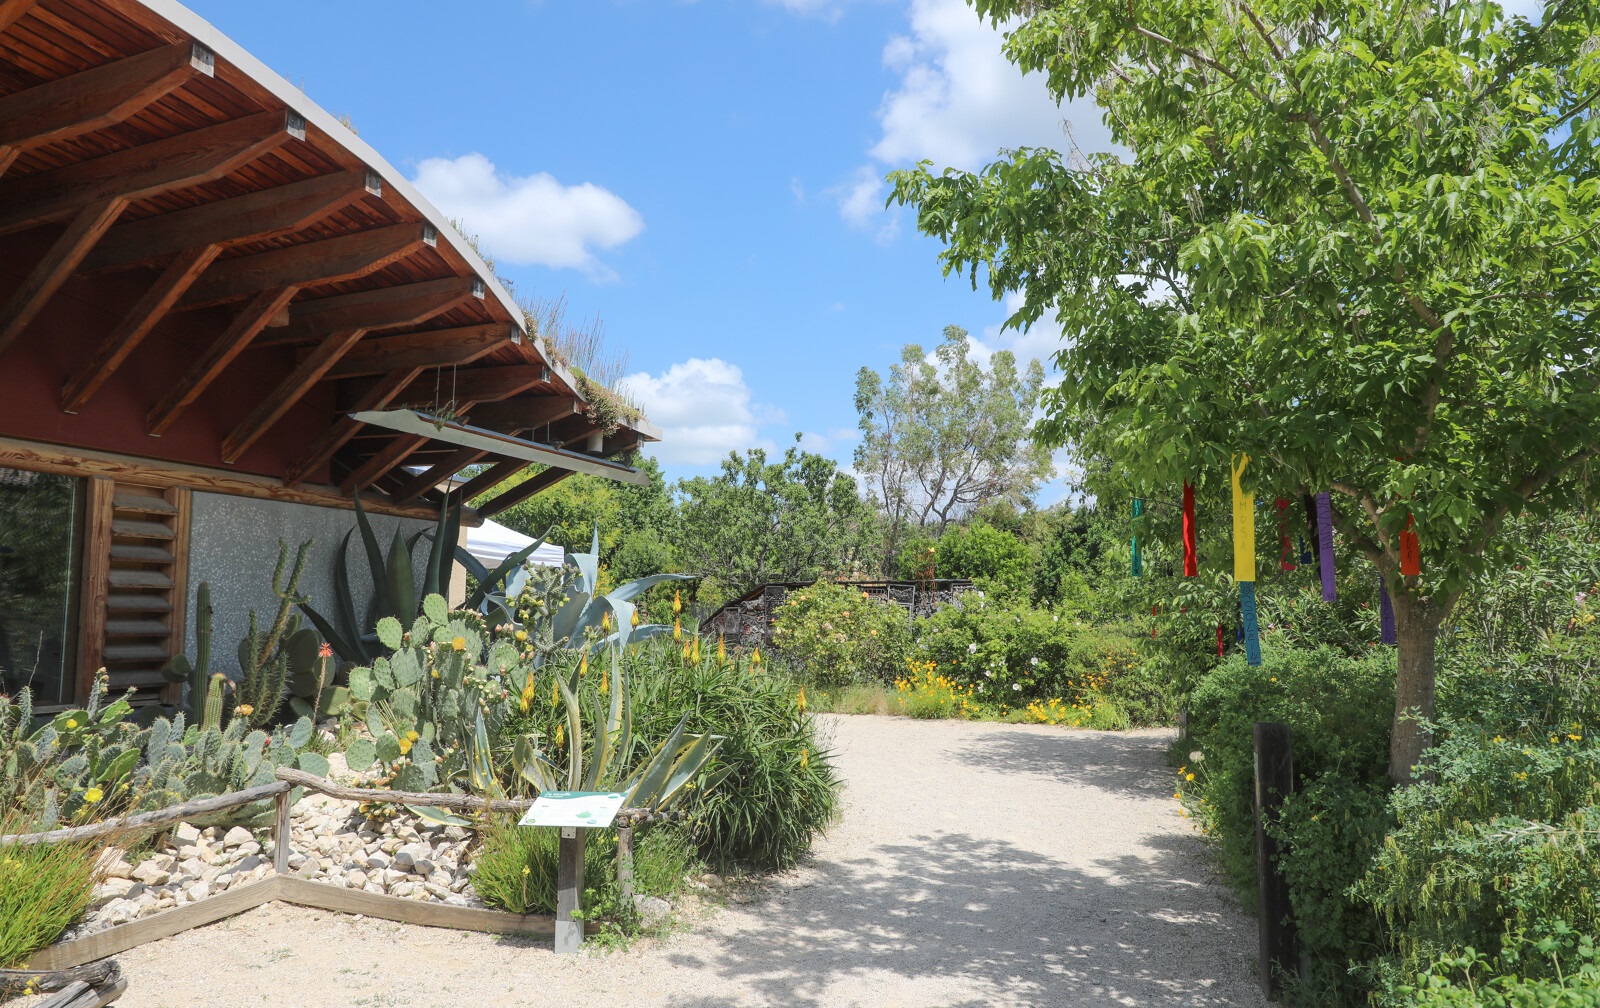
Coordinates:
(40, 518)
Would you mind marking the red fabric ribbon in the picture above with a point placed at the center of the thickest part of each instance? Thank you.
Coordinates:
(1219, 640)
(1191, 564)
(1410, 551)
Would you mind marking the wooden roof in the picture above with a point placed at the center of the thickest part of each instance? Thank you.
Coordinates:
(135, 139)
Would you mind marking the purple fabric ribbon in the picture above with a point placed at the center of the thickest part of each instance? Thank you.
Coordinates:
(1386, 609)
(1325, 545)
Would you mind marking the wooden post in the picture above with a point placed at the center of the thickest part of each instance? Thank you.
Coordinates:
(569, 890)
(625, 867)
(280, 834)
(1274, 752)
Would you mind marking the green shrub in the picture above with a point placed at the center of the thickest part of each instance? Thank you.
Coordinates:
(1339, 709)
(781, 791)
(926, 695)
(1479, 988)
(995, 560)
(1495, 855)
(515, 869)
(838, 635)
(1012, 653)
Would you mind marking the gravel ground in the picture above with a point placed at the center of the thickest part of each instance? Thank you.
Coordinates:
(975, 865)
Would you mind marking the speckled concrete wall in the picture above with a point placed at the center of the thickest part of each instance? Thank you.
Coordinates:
(234, 547)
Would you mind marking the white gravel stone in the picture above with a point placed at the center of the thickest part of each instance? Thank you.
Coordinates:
(237, 836)
(186, 835)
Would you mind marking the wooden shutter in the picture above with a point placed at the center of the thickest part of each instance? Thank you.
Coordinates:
(138, 618)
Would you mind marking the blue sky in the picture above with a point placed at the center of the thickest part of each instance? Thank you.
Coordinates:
(703, 177)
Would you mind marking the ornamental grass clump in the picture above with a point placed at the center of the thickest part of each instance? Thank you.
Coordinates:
(44, 888)
(516, 867)
(779, 790)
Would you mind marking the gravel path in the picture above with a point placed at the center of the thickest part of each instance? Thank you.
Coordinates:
(975, 865)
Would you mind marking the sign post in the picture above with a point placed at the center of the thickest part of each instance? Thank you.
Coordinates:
(572, 812)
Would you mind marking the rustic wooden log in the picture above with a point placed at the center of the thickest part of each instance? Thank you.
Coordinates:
(455, 802)
(280, 835)
(625, 868)
(145, 820)
(83, 995)
(98, 974)
(1274, 773)
(68, 994)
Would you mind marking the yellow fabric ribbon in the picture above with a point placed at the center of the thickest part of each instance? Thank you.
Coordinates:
(1244, 525)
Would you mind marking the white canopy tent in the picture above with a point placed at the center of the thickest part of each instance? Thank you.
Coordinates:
(492, 542)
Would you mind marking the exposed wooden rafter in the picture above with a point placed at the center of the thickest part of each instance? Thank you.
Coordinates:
(431, 348)
(11, 10)
(525, 413)
(188, 159)
(435, 474)
(522, 491)
(490, 478)
(158, 299)
(258, 215)
(379, 465)
(344, 428)
(330, 260)
(385, 308)
(250, 321)
(478, 385)
(57, 265)
(288, 392)
(84, 102)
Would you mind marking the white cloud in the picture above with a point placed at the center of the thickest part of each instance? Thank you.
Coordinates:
(833, 440)
(529, 219)
(704, 409)
(1038, 343)
(958, 101)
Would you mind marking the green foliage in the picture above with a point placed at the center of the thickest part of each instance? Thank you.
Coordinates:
(997, 561)
(1353, 241)
(43, 889)
(779, 791)
(794, 519)
(515, 868)
(942, 435)
(1338, 709)
(1495, 856)
(1013, 653)
(394, 583)
(1479, 988)
(836, 635)
(93, 763)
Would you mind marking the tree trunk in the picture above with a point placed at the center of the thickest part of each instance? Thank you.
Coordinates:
(1417, 622)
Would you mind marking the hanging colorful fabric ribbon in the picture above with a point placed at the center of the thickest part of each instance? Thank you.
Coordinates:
(1244, 560)
(1138, 509)
(1410, 551)
(1385, 612)
(1191, 563)
(1285, 550)
(1325, 545)
(1220, 645)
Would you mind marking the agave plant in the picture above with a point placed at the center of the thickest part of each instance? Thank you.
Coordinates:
(580, 617)
(655, 782)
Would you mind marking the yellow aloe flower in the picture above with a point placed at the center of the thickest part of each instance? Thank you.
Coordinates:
(722, 650)
(694, 654)
(527, 695)
(561, 735)
(801, 699)
(755, 656)
(677, 630)
(605, 622)
(634, 619)
(583, 664)
(805, 757)
(677, 603)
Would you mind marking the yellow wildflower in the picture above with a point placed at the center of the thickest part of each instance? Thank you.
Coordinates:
(634, 619)
(72, 722)
(805, 757)
(405, 746)
(801, 699)
(1188, 777)
(412, 735)
(93, 795)
(522, 635)
(243, 710)
(459, 644)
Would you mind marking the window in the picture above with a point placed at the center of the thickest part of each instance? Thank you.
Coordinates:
(41, 521)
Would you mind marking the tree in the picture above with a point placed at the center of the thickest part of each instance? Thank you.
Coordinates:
(1355, 242)
(942, 436)
(795, 519)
